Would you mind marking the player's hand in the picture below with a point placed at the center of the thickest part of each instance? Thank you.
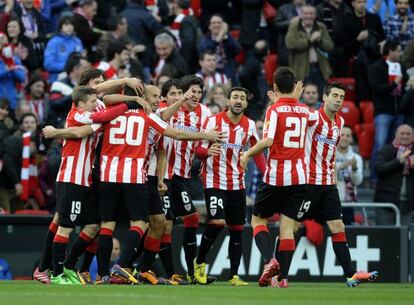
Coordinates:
(188, 95)
(297, 92)
(272, 96)
(49, 132)
(244, 160)
(216, 136)
(135, 84)
(162, 188)
(145, 105)
(404, 156)
(214, 150)
(19, 189)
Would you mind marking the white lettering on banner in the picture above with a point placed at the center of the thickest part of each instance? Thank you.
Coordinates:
(305, 258)
(362, 254)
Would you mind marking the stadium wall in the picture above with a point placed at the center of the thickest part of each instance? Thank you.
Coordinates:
(385, 249)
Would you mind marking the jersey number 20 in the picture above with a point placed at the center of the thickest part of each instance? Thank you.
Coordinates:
(298, 131)
(133, 126)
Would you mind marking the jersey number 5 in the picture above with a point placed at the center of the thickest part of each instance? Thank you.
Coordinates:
(133, 126)
(298, 131)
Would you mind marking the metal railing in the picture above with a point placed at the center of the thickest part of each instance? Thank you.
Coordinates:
(362, 205)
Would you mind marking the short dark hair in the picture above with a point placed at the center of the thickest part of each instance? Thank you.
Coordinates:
(115, 48)
(284, 78)
(330, 86)
(81, 93)
(130, 92)
(4, 103)
(73, 60)
(390, 45)
(174, 82)
(86, 2)
(215, 15)
(238, 89)
(113, 22)
(28, 114)
(206, 52)
(36, 77)
(65, 20)
(90, 74)
(188, 80)
(184, 4)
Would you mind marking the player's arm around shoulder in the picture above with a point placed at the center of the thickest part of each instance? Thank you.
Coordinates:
(77, 132)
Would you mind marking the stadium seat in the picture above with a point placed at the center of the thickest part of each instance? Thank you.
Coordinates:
(365, 134)
(270, 66)
(349, 83)
(32, 212)
(367, 110)
(350, 113)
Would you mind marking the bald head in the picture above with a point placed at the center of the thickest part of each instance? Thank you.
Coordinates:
(152, 96)
(404, 134)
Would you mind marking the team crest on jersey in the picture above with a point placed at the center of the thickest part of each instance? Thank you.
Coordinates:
(213, 212)
(73, 217)
(187, 207)
(299, 215)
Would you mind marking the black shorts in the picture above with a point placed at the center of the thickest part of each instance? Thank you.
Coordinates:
(155, 203)
(325, 203)
(181, 202)
(76, 205)
(228, 205)
(287, 200)
(166, 201)
(119, 198)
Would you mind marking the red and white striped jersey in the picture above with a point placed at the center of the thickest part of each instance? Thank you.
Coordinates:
(109, 71)
(286, 123)
(224, 171)
(182, 153)
(211, 80)
(78, 155)
(125, 146)
(321, 142)
(167, 144)
(154, 143)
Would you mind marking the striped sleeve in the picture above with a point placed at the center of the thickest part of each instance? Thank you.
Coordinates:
(157, 123)
(269, 129)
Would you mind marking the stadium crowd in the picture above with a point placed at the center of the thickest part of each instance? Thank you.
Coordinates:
(47, 48)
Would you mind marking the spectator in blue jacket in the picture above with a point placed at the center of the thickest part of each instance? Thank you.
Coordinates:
(5, 273)
(219, 41)
(12, 72)
(60, 46)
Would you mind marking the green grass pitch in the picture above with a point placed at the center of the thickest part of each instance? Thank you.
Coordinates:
(31, 293)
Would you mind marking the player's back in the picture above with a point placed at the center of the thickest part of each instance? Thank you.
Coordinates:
(286, 123)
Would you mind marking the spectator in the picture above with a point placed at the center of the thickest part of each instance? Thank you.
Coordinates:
(82, 20)
(167, 58)
(349, 173)
(308, 42)
(363, 33)
(214, 108)
(34, 28)
(407, 103)
(400, 27)
(61, 90)
(252, 78)
(60, 46)
(208, 72)
(394, 166)
(6, 123)
(142, 28)
(117, 30)
(223, 45)
(217, 95)
(36, 98)
(333, 13)
(285, 15)
(10, 178)
(11, 73)
(407, 58)
(115, 254)
(23, 47)
(5, 273)
(6, 10)
(117, 55)
(383, 8)
(310, 96)
(186, 29)
(58, 8)
(387, 80)
(161, 80)
(253, 24)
